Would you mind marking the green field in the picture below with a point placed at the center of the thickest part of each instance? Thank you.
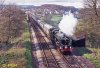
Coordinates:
(52, 19)
(56, 18)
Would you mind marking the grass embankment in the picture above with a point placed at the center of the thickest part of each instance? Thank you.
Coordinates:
(28, 52)
(92, 54)
(17, 54)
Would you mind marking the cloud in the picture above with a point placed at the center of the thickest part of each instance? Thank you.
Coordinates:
(32, 1)
(76, 3)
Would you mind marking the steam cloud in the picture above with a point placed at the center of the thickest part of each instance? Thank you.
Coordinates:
(67, 24)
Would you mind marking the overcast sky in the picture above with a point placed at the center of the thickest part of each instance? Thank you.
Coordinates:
(76, 3)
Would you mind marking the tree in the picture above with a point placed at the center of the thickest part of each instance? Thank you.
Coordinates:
(90, 21)
(1, 4)
(93, 5)
(11, 23)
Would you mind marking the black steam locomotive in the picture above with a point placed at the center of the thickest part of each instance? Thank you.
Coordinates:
(61, 40)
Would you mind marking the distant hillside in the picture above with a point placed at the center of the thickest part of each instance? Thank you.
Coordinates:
(58, 7)
(48, 6)
(27, 6)
(21, 6)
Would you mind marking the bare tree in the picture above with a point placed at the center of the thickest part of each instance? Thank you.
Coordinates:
(1, 4)
(11, 23)
(93, 5)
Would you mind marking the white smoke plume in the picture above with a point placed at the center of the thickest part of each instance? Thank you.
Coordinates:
(68, 23)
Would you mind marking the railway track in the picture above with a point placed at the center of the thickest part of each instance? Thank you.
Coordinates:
(68, 62)
(71, 61)
(82, 60)
(48, 57)
(52, 63)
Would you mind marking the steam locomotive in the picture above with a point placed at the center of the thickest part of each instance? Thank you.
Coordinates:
(61, 40)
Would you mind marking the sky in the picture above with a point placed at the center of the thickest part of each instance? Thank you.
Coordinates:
(76, 3)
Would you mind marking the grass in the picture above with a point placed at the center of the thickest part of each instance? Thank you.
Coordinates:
(88, 53)
(56, 18)
(28, 55)
(94, 57)
(28, 51)
(52, 19)
(13, 55)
